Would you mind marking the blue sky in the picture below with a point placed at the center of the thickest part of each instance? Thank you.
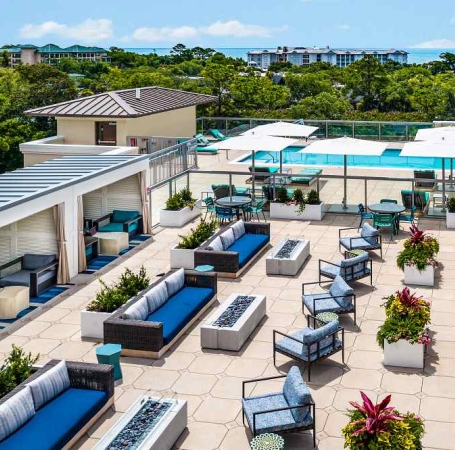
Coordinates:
(231, 23)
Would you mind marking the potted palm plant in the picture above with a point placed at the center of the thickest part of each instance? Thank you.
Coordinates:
(109, 299)
(182, 254)
(381, 427)
(450, 214)
(180, 209)
(418, 258)
(403, 335)
(297, 206)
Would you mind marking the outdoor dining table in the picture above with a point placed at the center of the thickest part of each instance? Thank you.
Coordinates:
(388, 208)
(235, 202)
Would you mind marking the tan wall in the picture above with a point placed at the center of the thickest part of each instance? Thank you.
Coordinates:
(77, 131)
(28, 56)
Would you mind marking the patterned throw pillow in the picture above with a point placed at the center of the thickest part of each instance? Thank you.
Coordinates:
(296, 393)
(369, 233)
(157, 297)
(239, 229)
(16, 411)
(216, 245)
(342, 292)
(227, 238)
(50, 384)
(138, 310)
(175, 282)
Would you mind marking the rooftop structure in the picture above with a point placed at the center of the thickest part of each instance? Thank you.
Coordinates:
(51, 54)
(304, 56)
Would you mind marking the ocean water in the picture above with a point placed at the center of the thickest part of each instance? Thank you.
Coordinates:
(416, 55)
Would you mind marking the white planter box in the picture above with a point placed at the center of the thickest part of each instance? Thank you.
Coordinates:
(291, 265)
(233, 338)
(162, 436)
(92, 324)
(178, 218)
(450, 220)
(404, 354)
(414, 276)
(283, 211)
(182, 257)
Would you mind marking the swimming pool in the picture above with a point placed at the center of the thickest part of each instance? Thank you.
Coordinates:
(390, 159)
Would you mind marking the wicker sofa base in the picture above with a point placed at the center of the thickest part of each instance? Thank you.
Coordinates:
(234, 275)
(89, 424)
(157, 355)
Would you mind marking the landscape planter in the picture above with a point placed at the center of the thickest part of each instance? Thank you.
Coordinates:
(283, 211)
(450, 219)
(420, 278)
(404, 354)
(182, 257)
(92, 323)
(178, 218)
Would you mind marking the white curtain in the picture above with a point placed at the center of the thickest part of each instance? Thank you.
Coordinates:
(63, 274)
(82, 260)
(145, 206)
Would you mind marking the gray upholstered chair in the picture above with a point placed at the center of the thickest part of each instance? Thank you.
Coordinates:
(369, 239)
(353, 268)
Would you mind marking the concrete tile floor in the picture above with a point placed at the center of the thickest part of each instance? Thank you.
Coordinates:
(211, 381)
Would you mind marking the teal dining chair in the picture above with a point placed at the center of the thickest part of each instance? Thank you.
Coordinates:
(388, 200)
(255, 208)
(384, 221)
(209, 206)
(408, 218)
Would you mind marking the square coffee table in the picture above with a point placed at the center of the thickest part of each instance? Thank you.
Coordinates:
(231, 325)
(112, 243)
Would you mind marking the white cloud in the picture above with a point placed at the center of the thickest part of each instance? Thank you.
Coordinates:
(230, 28)
(344, 27)
(164, 33)
(90, 30)
(436, 43)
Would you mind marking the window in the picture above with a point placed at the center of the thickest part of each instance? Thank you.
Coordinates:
(318, 57)
(305, 60)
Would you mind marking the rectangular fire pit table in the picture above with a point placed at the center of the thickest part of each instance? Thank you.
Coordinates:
(231, 325)
(287, 257)
(151, 423)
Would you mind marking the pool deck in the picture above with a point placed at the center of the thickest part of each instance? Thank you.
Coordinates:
(211, 380)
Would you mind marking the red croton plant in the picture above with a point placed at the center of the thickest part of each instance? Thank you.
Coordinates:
(376, 417)
(417, 236)
(410, 300)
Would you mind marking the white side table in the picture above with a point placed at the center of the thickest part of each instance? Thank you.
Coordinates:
(112, 243)
(13, 300)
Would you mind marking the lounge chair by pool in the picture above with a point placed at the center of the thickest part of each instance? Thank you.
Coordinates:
(306, 176)
(217, 134)
(266, 170)
(207, 150)
(202, 141)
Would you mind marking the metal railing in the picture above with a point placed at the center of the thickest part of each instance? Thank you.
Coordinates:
(382, 131)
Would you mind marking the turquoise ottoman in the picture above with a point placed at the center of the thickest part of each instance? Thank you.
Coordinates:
(110, 354)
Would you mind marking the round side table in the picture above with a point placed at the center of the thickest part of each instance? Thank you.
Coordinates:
(267, 441)
(326, 317)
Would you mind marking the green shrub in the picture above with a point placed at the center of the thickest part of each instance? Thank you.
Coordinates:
(110, 298)
(313, 198)
(282, 195)
(198, 235)
(16, 369)
(180, 200)
(451, 205)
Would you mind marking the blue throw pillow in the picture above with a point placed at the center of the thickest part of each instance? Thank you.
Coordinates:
(342, 291)
(175, 282)
(16, 411)
(314, 335)
(369, 233)
(157, 297)
(296, 393)
(138, 310)
(123, 216)
(239, 229)
(227, 238)
(50, 384)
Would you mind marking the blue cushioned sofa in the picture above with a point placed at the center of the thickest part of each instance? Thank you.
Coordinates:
(233, 260)
(38, 272)
(153, 333)
(61, 422)
(120, 221)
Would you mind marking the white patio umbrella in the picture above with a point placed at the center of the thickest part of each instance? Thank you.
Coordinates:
(428, 149)
(345, 147)
(255, 143)
(284, 129)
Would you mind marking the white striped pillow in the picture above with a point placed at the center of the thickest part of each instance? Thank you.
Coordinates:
(50, 384)
(157, 297)
(175, 282)
(216, 245)
(16, 411)
(227, 238)
(138, 310)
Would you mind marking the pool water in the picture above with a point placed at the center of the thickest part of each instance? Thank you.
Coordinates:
(390, 158)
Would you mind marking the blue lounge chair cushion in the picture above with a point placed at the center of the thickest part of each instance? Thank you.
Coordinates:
(274, 421)
(369, 233)
(341, 292)
(123, 216)
(327, 305)
(296, 393)
(306, 175)
(180, 309)
(248, 246)
(204, 149)
(56, 423)
(118, 227)
(300, 350)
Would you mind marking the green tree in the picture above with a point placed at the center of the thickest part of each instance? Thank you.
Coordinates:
(4, 61)
(219, 77)
(308, 85)
(324, 106)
